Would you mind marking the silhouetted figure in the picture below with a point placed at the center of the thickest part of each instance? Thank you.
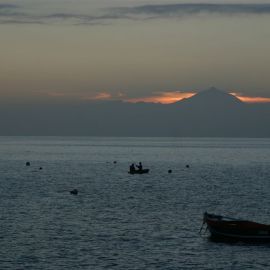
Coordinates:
(140, 167)
(74, 191)
(132, 168)
(169, 171)
(27, 163)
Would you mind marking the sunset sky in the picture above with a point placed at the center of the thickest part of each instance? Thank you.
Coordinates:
(133, 50)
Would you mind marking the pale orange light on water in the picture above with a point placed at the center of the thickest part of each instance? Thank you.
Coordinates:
(163, 97)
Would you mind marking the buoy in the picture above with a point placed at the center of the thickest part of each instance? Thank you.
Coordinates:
(187, 166)
(40, 168)
(169, 171)
(27, 163)
(114, 162)
(74, 191)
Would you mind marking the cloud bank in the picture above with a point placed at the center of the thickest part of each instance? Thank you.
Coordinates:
(16, 14)
(169, 10)
(250, 99)
(163, 97)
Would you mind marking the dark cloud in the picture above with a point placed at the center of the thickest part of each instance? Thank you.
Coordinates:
(8, 10)
(7, 6)
(12, 14)
(84, 19)
(192, 9)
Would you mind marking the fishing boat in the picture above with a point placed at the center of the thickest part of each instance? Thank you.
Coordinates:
(139, 171)
(231, 229)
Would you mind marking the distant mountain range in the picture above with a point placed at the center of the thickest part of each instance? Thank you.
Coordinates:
(210, 113)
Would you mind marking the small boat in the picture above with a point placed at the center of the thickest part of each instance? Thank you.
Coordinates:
(230, 229)
(139, 171)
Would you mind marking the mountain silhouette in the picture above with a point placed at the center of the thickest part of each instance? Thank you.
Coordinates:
(213, 99)
(210, 113)
(214, 96)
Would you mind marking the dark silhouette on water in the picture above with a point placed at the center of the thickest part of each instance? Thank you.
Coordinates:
(27, 163)
(140, 167)
(232, 230)
(169, 171)
(74, 191)
(132, 169)
(140, 171)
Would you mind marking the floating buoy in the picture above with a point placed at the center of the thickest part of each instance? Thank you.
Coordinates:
(114, 162)
(40, 168)
(74, 191)
(169, 171)
(27, 163)
(187, 166)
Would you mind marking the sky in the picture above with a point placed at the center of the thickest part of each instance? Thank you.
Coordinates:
(133, 50)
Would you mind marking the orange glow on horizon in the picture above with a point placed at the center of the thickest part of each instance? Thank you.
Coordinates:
(248, 99)
(100, 96)
(163, 97)
(160, 97)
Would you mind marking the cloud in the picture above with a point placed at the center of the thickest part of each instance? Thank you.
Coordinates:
(178, 10)
(168, 97)
(17, 14)
(162, 97)
(7, 10)
(12, 14)
(7, 6)
(101, 96)
(250, 99)
(96, 96)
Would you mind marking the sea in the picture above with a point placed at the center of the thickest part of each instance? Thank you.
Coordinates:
(123, 221)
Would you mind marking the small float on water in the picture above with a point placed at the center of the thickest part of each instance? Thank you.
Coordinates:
(74, 191)
(231, 229)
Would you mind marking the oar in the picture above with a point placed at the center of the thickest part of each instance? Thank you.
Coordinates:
(201, 227)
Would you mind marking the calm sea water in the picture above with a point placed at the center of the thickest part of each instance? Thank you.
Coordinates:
(122, 221)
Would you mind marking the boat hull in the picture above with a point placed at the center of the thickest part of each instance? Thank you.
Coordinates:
(139, 171)
(217, 235)
(236, 230)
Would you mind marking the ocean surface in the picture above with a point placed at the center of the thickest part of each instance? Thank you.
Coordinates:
(123, 221)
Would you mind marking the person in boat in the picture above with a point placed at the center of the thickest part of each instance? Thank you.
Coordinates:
(140, 167)
(132, 168)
